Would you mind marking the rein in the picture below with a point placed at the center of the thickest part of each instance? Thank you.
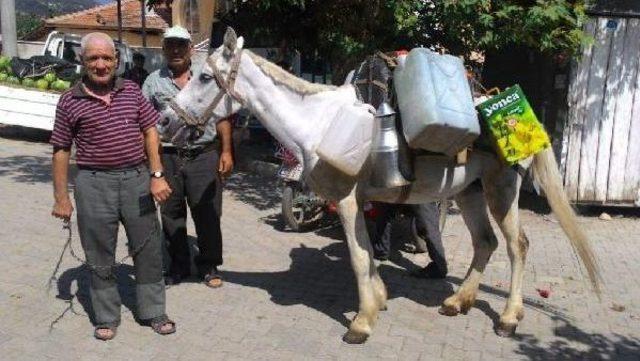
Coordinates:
(226, 87)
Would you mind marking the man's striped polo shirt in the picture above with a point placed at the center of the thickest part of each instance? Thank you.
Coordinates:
(106, 136)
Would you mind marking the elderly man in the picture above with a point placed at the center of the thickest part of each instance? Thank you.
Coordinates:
(193, 168)
(112, 126)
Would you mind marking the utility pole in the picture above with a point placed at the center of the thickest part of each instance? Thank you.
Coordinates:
(119, 4)
(143, 21)
(9, 34)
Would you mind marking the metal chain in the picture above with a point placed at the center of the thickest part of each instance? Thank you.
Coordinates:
(95, 268)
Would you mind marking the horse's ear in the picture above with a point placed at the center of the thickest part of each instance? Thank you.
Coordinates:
(230, 40)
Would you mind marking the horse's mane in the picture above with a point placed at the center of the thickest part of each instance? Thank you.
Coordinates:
(287, 79)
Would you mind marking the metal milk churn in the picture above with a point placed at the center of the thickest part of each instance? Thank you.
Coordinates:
(385, 150)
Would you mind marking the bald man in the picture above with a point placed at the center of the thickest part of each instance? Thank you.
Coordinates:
(119, 177)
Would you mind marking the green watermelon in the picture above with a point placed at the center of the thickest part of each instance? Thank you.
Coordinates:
(42, 84)
(13, 80)
(50, 77)
(60, 85)
(28, 82)
(5, 62)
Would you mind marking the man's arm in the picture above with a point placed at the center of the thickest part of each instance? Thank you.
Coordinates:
(226, 156)
(159, 187)
(62, 207)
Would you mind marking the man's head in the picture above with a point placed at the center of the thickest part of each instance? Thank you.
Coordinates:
(177, 48)
(98, 53)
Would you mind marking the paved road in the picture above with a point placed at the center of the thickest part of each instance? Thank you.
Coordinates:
(290, 296)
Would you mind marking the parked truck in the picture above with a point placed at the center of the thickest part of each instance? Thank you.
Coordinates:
(32, 108)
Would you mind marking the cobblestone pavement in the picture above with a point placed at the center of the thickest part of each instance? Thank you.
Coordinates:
(290, 295)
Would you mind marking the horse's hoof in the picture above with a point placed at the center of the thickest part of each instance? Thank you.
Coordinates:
(448, 310)
(383, 308)
(506, 329)
(353, 337)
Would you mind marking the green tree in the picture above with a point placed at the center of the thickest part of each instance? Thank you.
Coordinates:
(463, 26)
(344, 31)
(26, 24)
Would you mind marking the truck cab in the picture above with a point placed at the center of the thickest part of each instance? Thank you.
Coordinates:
(67, 46)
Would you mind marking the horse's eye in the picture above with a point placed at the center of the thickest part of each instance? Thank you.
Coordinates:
(205, 78)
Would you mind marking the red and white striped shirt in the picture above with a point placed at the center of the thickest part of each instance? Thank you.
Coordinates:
(106, 136)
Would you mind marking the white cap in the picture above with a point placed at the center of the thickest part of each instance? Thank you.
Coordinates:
(177, 32)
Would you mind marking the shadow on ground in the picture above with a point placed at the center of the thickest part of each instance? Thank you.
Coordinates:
(256, 190)
(69, 292)
(571, 343)
(333, 293)
(29, 169)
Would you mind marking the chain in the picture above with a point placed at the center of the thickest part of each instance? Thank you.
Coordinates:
(94, 268)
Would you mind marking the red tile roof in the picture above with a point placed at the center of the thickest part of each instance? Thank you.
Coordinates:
(106, 17)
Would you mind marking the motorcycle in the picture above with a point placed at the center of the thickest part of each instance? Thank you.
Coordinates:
(301, 208)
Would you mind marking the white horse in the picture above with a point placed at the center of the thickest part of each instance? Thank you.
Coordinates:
(297, 113)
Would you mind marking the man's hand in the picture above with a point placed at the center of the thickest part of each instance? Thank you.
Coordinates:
(225, 165)
(160, 189)
(62, 209)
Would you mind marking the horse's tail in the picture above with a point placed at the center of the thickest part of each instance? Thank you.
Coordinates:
(546, 173)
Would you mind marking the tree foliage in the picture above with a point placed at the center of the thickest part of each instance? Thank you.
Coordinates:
(26, 24)
(346, 30)
(484, 25)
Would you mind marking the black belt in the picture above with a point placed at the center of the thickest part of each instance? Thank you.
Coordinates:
(190, 153)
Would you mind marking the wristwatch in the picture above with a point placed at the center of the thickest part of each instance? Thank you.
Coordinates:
(157, 174)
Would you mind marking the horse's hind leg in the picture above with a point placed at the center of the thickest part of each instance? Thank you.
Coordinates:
(371, 290)
(502, 196)
(474, 212)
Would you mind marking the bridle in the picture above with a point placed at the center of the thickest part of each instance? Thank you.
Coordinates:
(226, 87)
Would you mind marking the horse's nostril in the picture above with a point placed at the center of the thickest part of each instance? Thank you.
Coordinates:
(199, 100)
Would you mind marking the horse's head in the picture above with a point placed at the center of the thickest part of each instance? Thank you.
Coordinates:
(212, 94)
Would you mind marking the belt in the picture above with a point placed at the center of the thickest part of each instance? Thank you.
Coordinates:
(113, 170)
(190, 153)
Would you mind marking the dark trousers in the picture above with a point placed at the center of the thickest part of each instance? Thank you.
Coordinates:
(196, 180)
(426, 217)
(103, 199)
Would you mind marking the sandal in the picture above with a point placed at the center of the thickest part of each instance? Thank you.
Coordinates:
(102, 337)
(213, 279)
(158, 323)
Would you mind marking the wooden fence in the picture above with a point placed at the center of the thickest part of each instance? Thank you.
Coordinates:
(601, 142)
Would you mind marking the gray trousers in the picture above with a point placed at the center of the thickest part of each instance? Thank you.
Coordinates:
(103, 200)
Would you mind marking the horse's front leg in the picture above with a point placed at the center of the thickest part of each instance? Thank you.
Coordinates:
(371, 290)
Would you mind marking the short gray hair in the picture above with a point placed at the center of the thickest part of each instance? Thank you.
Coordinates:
(97, 37)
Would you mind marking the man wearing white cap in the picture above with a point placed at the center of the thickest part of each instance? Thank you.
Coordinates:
(192, 165)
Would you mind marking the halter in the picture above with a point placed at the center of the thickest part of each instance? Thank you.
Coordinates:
(226, 88)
